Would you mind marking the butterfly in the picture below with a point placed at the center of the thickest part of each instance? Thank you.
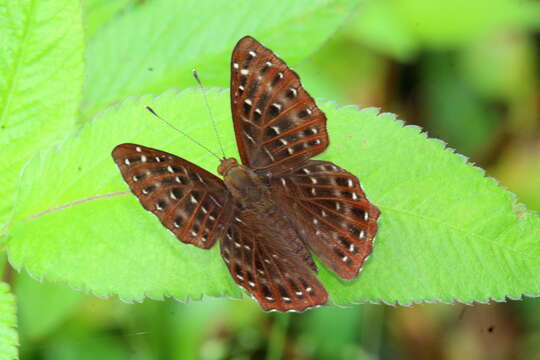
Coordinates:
(270, 212)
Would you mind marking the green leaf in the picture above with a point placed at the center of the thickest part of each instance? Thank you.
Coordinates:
(447, 232)
(41, 69)
(154, 47)
(98, 12)
(9, 340)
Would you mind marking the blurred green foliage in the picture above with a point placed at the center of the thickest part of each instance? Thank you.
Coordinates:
(467, 71)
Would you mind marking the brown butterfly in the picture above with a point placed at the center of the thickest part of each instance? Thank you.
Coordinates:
(269, 212)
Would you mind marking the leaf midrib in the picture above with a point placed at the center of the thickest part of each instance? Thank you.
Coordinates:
(383, 210)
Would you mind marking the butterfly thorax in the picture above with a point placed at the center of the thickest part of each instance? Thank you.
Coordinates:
(244, 184)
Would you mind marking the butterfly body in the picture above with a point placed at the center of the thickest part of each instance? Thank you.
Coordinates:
(257, 208)
(276, 207)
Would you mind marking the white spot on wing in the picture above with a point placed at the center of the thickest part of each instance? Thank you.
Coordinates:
(277, 106)
(268, 153)
(250, 138)
(244, 71)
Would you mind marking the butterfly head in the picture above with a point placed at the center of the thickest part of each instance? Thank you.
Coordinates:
(226, 165)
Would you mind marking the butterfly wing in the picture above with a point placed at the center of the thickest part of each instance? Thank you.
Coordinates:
(277, 280)
(189, 201)
(331, 212)
(277, 123)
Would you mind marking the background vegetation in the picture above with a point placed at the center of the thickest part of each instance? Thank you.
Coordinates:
(467, 72)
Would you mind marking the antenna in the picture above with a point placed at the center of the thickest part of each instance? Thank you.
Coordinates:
(196, 76)
(181, 132)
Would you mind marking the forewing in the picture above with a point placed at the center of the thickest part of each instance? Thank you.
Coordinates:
(277, 279)
(331, 212)
(189, 201)
(277, 123)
